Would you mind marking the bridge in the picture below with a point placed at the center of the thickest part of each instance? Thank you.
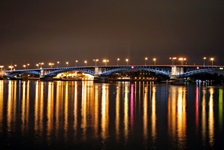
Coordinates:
(102, 72)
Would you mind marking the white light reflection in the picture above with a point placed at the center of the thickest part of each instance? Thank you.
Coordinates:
(96, 113)
(153, 117)
(211, 117)
(66, 111)
(25, 105)
(1, 103)
(84, 110)
(50, 109)
(76, 110)
(221, 109)
(181, 117)
(104, 112)
(117, 117)
(172, 112)
(203, 117)
(59, 106)
(12, 103)
(38, 107)
(145, 113)
(177, 115)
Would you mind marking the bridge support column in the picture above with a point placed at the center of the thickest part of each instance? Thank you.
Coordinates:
(175, 71)
(2, 74)
(43, 77)
(98, 78)
(173, 77)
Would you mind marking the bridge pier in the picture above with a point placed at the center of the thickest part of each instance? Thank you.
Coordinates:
(43, 78)
(100, 79)
(173, 77)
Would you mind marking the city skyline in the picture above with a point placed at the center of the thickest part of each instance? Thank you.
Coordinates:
(51, 31)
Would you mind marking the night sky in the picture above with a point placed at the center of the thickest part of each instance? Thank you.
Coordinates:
(35, 31)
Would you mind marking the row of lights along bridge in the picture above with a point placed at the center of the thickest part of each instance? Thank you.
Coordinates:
(182, 60)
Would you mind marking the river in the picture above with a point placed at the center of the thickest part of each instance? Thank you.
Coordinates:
(121, 115)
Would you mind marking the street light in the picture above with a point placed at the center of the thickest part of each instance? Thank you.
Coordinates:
(181, 59)
(24, 66)
(58, 63)
(11, 67)
(127, 60)
(212, 60)
(204, 58)
(85, 62)
(41, 64)
(67, 63)
(27, 65)
(15, 66)
(172, 59)
(146, 58)
(154, 60)
(51, 64)
(95, 60)
(118, 59)
(37, 65)
(76, 62)
(105, 61)
(1, 67)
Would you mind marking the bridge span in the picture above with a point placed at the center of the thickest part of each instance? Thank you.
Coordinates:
(101, 72)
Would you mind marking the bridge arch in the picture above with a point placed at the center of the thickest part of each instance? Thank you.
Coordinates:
(57, 71)
(21, 72)
(193, 72)
(118, 70)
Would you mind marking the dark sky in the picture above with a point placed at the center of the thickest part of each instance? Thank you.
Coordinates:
(33, 31)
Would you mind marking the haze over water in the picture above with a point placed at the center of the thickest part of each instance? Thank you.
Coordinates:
(122, 115)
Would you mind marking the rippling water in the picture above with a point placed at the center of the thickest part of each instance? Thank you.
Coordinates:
(122, 115)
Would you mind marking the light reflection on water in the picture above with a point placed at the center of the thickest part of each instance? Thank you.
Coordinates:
(107, 116)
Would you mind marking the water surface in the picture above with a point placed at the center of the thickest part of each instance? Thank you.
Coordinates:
(122, 115)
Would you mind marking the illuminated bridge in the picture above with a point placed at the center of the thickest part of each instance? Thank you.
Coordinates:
(100, 72)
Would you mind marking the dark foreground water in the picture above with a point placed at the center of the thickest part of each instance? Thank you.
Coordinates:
(122, 115)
